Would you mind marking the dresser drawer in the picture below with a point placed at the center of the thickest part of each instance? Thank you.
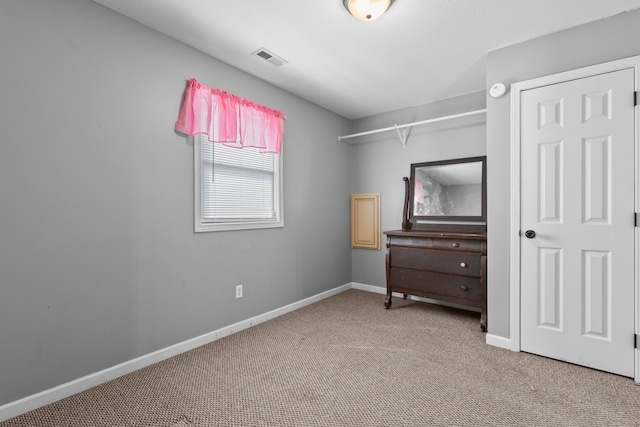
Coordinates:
(460, 263)
(437, 285)
(445, 244)
(459, 245)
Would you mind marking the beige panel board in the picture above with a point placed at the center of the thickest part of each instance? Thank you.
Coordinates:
(365, 221)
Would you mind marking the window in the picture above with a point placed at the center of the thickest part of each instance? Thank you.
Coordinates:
(236, 189)
(238, 179)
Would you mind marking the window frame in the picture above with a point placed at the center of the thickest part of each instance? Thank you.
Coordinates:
(201, 225)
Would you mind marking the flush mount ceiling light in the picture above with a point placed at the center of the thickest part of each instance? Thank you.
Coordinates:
(367, 10)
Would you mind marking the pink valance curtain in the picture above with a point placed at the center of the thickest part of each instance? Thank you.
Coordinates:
(230, 120)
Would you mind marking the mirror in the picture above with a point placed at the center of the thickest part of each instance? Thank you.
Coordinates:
(448, 191)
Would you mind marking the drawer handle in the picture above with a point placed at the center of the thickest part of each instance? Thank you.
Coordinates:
(456, 244)
(463, 264)
(464, 288)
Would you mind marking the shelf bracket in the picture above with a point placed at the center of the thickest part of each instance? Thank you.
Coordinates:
(402, 135)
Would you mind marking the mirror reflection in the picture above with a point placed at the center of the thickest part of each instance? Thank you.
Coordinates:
(448, 190)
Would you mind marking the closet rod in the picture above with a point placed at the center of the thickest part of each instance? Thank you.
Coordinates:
(397, 127)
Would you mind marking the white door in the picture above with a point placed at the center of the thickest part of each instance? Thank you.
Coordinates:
(577, 196)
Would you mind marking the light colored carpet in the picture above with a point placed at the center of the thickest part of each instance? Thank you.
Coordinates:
(346, 361)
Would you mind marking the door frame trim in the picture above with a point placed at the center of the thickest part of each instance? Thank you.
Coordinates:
(515, 183)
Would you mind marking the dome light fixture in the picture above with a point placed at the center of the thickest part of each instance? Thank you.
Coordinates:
(367, 10)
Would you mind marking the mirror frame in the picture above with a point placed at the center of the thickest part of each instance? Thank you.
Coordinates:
(438, 222)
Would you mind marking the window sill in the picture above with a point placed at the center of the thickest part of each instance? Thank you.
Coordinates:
(233, 226)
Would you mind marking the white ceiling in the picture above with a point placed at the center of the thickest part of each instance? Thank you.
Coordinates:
(420, 51)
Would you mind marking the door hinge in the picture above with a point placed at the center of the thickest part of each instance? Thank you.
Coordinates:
(635, 219)
(635, 98)
(635, 341)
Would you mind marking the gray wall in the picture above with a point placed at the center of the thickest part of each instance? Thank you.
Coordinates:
(99, 263)
(380, 163)
(600, 41)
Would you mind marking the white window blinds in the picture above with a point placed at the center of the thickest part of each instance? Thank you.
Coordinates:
(237, 184)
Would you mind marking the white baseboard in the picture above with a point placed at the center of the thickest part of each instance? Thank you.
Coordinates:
(369, 288)
(35, 401)
(497, 341)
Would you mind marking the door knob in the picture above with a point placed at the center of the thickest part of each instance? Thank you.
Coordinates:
(530, 234)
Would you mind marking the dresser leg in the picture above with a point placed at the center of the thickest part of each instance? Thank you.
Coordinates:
(483, 322)
(387, 301)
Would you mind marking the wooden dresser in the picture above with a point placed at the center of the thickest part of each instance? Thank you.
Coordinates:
(443, 266)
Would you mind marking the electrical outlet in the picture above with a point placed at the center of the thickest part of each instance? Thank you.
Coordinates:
(239, 291)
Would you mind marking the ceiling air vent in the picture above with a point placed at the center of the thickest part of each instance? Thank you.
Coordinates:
(269, 56)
